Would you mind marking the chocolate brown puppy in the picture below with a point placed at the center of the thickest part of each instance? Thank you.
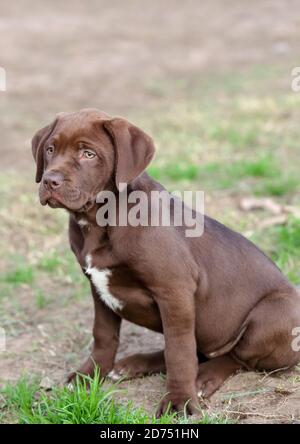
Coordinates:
(216, 295)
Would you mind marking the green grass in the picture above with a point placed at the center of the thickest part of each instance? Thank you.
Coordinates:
(282, 243)
(175, 172)
(225, 175)
(64, 265)
(278, 187)
(41, 300)
(249, 144)
(50, 263)
(287, 254)
(25, 403)
(22, 274)
(263, 166)
(234, 135)
(289, 236)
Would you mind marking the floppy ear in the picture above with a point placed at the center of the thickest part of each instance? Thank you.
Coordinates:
(37, 143)
(134, 149)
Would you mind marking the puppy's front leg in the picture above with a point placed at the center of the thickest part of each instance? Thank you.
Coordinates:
(178, 319)
(106, 340)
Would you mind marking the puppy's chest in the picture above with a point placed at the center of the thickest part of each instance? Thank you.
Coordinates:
(102, 280)
(117, 285)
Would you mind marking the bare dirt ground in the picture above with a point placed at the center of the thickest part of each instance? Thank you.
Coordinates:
(131, 59)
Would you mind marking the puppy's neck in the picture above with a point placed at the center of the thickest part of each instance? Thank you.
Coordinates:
(88, 217)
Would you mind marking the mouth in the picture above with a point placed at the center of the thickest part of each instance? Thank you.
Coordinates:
(54, 203)
(53, 200)
(50, 198)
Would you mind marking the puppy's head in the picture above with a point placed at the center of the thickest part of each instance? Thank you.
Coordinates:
(80, 154)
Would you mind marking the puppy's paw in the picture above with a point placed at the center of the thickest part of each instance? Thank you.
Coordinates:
(183, 404)
(88, 369)
(206, 387)
(131, 367)
(114, 375)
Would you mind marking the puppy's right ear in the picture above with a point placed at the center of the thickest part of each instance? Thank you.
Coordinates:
(37, 144)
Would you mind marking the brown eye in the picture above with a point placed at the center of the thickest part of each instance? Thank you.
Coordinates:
(50, 150)
(88, 154)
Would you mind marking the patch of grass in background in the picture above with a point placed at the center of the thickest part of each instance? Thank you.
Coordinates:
(63, 264)
(175, 172)
(56, 266)
(22, 274)
(50, 263)
(41, 300)
(249, 144)
(287, 254)
(234, 135)
(25, 403)
(263, 166)
(225, 175)
(282, 243)
(289, 236)
(278, 187)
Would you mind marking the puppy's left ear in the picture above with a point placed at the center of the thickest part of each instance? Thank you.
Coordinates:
(37, 144)
(134, 149)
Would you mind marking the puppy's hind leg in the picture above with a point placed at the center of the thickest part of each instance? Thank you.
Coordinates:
(267, 344)
(213, 373)
(138, 365)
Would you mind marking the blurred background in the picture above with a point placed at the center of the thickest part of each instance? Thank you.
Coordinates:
(211, 83)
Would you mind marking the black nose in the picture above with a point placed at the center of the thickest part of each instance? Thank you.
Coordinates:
(53, 180)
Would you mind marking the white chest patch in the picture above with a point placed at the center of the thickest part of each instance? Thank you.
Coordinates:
(100, 279)
(83, 222)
